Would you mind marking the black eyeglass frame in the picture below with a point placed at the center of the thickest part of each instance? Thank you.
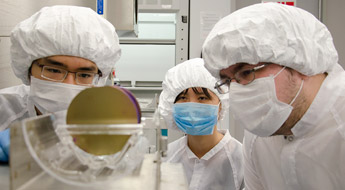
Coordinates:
(227, 81)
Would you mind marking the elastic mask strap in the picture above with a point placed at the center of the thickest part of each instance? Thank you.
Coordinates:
(278, 72)
(299, 90)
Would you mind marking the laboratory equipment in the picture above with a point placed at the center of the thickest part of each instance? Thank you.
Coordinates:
(101, 145)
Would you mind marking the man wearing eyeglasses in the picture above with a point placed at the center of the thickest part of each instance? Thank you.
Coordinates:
(57, 52)
(280, 68)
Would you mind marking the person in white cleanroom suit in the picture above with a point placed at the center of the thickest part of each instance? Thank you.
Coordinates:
(57, 52)
(287, 90)
(211, 157)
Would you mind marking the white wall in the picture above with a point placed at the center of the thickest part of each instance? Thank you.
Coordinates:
(311, 6)
(203, 15)
(333, 13)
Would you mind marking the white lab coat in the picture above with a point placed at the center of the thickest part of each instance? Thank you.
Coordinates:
(220, 168)
(13, 105)
(314, 157)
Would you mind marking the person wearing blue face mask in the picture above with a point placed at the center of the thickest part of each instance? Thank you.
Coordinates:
(212, 159)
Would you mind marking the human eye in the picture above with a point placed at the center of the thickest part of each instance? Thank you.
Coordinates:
(85, 75)
(244, 75)
(181, 98)
(226, 81)
(203, 98)
(53, 70)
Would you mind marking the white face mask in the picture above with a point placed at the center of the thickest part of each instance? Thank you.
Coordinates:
(257, 108)
(50, 97)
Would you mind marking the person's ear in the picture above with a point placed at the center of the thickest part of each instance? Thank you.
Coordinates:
(219, 110)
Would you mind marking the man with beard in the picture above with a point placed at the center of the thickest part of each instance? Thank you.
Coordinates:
(286, 88)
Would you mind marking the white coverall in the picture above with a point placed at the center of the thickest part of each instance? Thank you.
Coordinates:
(220, 168)
(314, 157)
(13, 105)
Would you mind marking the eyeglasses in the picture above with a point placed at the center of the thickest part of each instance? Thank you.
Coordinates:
(59, 75)
(243, 76)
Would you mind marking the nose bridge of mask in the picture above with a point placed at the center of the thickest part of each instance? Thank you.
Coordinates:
(60, 91)
(198, 109)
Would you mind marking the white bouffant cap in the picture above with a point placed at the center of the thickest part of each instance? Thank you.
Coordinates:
(64, 30)
(270, 32)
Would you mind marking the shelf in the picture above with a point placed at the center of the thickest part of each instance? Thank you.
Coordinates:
(143, 88)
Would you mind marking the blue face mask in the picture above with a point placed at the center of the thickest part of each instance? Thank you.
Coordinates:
(195, 118)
